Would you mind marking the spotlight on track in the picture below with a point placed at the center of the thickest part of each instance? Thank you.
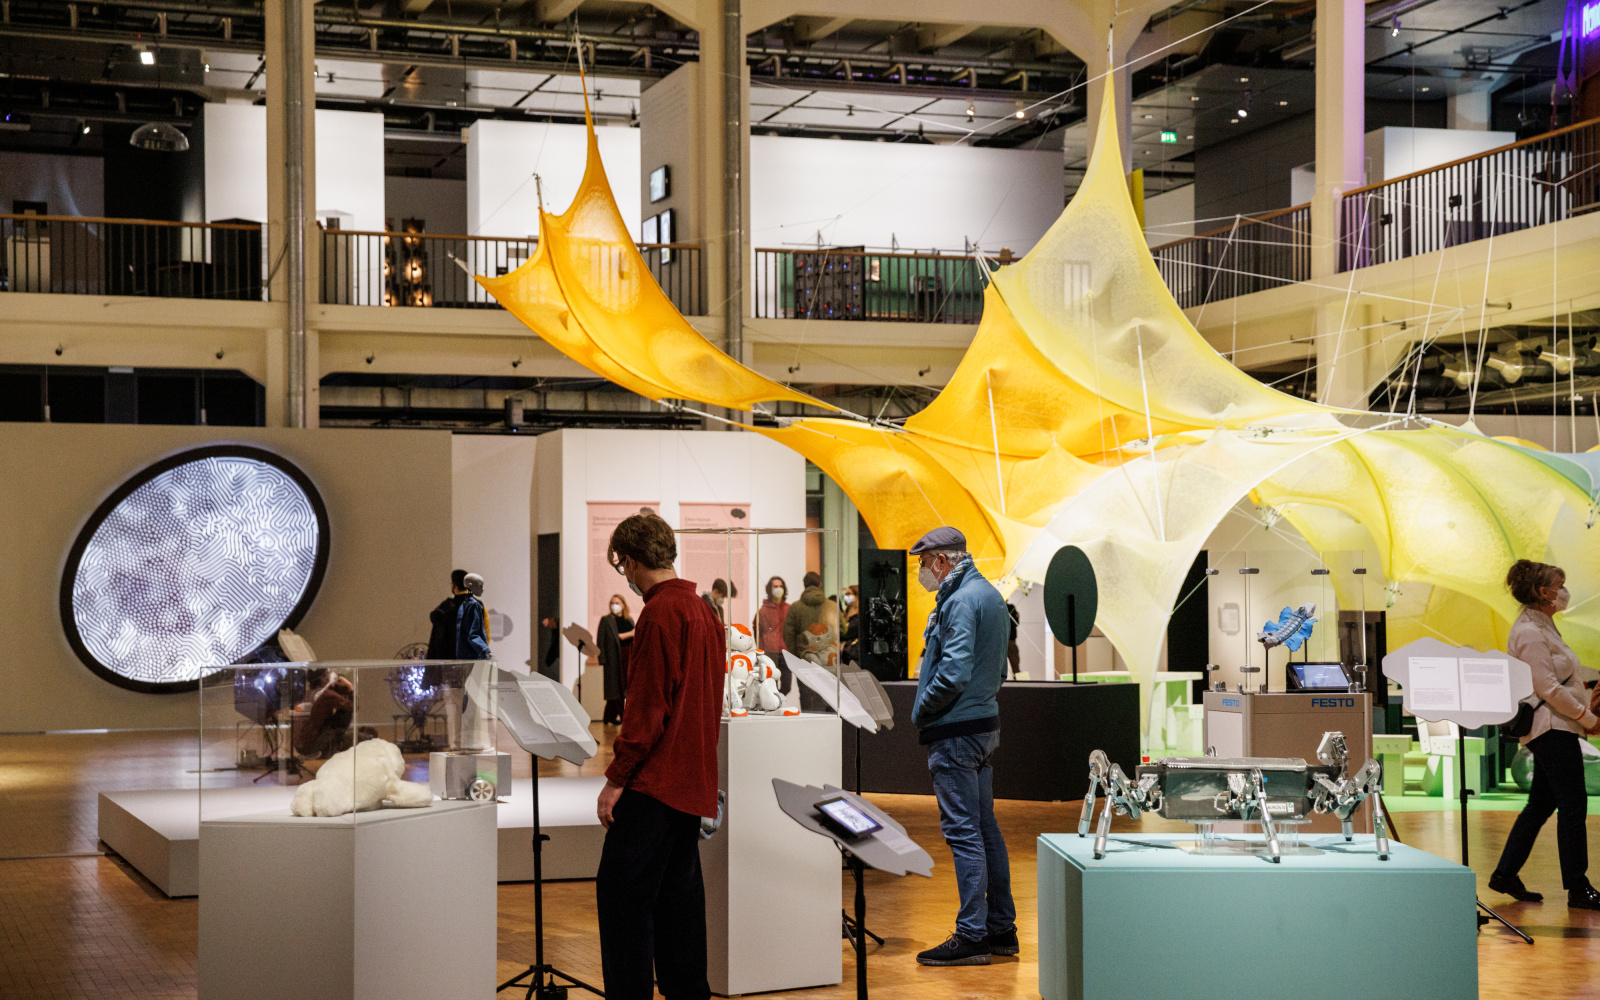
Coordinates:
(1394, 27)
(147, 57)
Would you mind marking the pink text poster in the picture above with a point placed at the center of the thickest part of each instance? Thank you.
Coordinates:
(603, 580)
(706, 558)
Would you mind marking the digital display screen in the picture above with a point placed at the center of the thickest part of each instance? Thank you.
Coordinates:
(847, 817)
(1320, 675)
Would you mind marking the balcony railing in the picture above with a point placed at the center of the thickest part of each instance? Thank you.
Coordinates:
(852, 284)
(1530, 183)
(73, 255)
(428, 270)
(1253, 254)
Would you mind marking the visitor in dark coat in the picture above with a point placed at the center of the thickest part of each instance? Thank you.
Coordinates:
(614, 638)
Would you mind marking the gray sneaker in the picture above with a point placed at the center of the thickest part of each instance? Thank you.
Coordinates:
(956, 951)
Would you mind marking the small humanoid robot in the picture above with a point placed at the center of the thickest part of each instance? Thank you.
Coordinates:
(752, 679)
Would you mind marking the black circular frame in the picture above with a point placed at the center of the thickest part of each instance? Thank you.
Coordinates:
(86, 534)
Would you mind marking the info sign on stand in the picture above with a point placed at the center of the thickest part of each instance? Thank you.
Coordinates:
(1469, 687)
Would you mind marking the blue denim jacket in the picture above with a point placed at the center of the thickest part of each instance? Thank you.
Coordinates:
(964, 652)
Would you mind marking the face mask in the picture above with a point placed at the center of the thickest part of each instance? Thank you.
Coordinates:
(1562, 599)
(635, 588)
(848, 600)
(776, 593)
(616, 609)
(927, 579)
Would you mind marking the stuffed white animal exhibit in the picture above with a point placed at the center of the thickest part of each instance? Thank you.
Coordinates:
(366, 776)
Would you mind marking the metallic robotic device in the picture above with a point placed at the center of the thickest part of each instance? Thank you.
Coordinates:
(1209, 790)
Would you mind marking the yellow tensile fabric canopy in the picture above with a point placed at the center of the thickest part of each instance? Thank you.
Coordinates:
(589, 294)
(1089, 411)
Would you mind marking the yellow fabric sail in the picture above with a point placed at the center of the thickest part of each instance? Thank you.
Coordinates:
(1088, 411)
(1089, 297)
(627, 328)
(532, 294)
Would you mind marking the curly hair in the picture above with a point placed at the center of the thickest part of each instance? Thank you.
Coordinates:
(1526, 578)
(645, 538)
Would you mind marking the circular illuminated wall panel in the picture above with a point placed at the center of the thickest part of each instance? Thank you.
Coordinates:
(197, 560)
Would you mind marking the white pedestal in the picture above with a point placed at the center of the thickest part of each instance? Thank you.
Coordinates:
(772, 887)
(398, 904)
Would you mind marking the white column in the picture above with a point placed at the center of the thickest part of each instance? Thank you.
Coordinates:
(291, 192)
(1341, 119)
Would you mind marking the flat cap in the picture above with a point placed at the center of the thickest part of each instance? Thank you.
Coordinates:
(940, 540)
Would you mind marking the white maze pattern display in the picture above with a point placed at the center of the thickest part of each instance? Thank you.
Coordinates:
(199, 565)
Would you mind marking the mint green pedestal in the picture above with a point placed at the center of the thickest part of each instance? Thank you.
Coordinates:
(1151, 920)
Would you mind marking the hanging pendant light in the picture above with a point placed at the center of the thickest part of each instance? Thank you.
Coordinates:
(159, 137)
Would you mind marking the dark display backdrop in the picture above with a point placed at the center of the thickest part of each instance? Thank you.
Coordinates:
(1047, 731)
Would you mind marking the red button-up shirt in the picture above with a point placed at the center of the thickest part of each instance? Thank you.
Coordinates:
(667, 748)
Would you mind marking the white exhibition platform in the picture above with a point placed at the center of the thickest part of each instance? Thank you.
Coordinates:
(158, 832)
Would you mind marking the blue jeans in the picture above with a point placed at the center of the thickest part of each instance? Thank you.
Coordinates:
(963, 782)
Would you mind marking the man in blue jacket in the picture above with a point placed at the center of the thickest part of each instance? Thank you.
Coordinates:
(958, 720)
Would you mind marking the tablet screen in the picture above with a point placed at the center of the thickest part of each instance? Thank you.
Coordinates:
(847, 817)
(1323, 676)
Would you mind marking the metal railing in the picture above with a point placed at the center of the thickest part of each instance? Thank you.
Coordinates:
(1530, 183)
(853, 284)
(429, 270)
(1253, 254)
(74, 255)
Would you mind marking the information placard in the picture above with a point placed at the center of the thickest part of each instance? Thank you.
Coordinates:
(1470, 687)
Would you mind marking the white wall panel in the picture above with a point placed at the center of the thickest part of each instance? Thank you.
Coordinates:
(492, 532)
(502, 157)
(925, 197)
(349, 165)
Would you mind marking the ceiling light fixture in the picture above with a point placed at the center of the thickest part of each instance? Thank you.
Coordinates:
(1244, 106)
(1194, 97)
(1244, 79)
(971, 111)
(159, 137)
(1425, 89)
(147, 57)
(1394, 27)
(83, 127)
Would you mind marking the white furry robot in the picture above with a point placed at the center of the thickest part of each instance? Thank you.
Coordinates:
(752, 680)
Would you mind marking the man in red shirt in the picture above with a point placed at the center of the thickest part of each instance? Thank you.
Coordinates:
(662, 779)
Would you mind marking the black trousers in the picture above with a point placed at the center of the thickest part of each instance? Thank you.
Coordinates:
(652, 902)
(1557, 784)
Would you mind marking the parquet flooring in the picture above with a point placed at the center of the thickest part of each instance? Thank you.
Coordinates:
(79, 927)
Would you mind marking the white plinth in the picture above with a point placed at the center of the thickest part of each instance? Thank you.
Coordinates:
(398, 904)
(158, 831)
(772, 887)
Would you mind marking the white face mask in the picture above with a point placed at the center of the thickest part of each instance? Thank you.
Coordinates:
(1562, 599)
(616, 609)
(929, 581)
(849, 599)
(776, 593)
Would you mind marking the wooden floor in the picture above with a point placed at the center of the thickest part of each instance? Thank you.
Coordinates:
(89, 926)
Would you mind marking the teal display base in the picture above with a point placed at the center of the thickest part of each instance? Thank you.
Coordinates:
(1152, 920)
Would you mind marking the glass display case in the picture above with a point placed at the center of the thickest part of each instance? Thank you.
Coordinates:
(783, 649)
(338, 738)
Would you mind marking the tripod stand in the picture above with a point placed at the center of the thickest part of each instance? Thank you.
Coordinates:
(1466, 793)
(853, 927)
(542, 980)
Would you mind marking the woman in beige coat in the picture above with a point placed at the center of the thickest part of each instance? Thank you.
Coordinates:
(1562, 718)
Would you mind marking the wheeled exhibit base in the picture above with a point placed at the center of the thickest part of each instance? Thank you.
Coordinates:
(1152, 920)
